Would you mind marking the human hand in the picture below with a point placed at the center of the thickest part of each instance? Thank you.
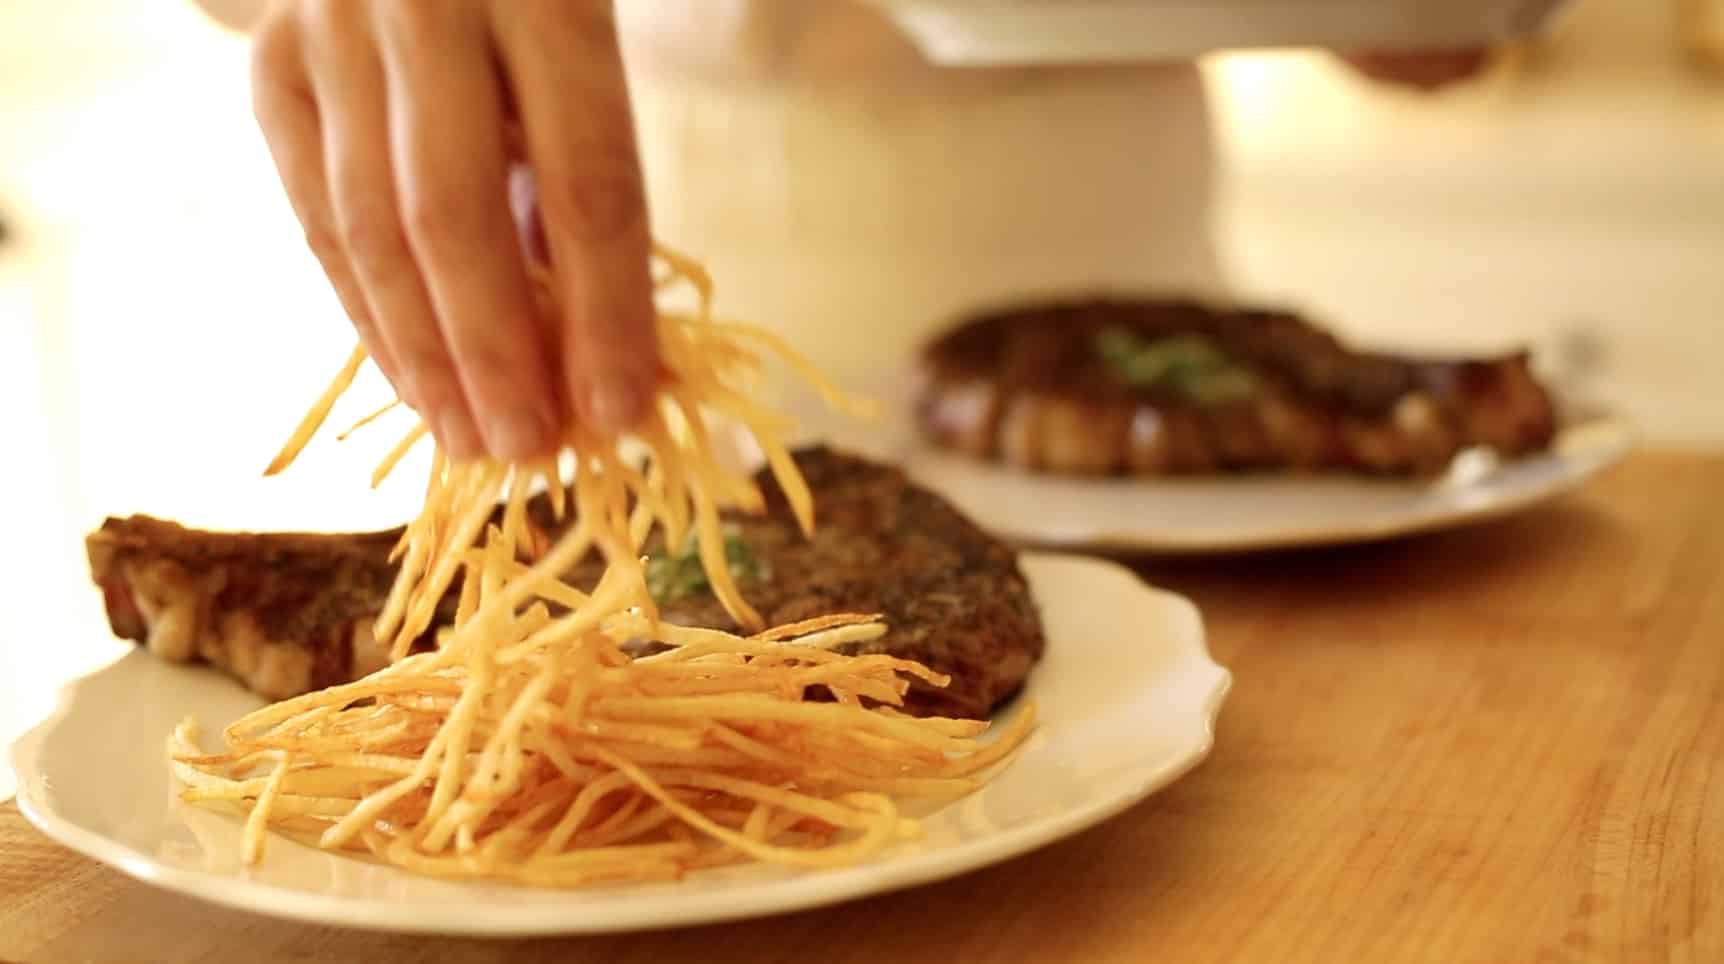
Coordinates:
(395, 125)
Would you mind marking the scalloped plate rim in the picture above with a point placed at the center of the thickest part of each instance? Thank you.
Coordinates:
(783, 895)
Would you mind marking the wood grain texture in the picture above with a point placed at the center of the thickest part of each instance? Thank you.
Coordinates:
(1496, 744)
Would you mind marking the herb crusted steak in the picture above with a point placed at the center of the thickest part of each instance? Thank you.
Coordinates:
(952, 596)
(287, 613)
(1148, 387)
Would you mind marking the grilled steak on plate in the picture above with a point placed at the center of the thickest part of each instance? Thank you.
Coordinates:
(286, 613)
(1109, 386)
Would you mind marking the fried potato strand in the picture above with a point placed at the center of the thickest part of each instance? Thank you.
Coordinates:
(525, 745)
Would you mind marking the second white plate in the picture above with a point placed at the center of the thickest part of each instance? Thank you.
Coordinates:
(1219, 513)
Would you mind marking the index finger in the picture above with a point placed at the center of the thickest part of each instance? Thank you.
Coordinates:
(454, 203)
(570, 90)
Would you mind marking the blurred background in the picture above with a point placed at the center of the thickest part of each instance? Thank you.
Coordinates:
(161, 326)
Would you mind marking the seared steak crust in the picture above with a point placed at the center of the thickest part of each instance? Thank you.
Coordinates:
(1028, 385)
(287, 612)
(952, 596)
(284, 612)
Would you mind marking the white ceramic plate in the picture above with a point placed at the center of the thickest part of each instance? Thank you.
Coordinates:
(1035, 31)
(1127, 696)
(1220, 514)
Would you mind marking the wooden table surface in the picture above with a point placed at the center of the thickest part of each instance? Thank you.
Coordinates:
(1496, 744)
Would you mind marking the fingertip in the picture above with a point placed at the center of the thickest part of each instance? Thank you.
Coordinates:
(616, 403)
(519, 434)
(457, 435)
(613, 363)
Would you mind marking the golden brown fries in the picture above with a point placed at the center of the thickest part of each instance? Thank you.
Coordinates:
(528, 746)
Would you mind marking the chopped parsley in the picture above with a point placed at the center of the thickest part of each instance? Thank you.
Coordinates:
(1190, 365)
(672, 576)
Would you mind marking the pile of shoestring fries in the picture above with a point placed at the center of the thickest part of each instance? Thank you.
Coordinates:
(526, 745)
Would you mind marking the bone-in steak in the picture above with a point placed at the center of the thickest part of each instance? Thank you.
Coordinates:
(287, 613)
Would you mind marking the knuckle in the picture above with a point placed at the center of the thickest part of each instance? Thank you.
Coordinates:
(440, 217)
(324, 244)
(277, 70)
(493, 365)
(427, 400)
(274, 49)
(360, 317)
(371, 236)
(427, 372)
(267, 103)
(603, 201)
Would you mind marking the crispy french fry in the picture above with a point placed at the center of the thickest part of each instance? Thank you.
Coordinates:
(315, 418)
(529, 746)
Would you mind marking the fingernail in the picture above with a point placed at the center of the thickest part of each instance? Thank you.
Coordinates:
(614, 406)
(456, 434)
(404, 392)
(519, 434)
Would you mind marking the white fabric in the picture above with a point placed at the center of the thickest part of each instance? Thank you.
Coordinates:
(848, 194)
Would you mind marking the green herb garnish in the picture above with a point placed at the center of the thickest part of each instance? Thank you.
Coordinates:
(673, 576)
(1189, 364)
